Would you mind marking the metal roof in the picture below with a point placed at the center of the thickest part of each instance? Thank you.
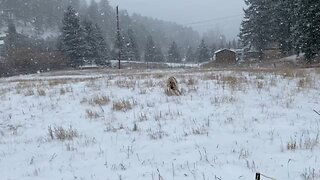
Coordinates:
(224, 50)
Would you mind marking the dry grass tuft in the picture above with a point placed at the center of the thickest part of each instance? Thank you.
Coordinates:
(56, 82)
(220, 100)
(305, 82)
(304, 143)
(92, 115)
(100, 100)
(64, 90)
(62, 134)
(29, 92)
(123, 105)
(41, 92)
(128, 84)
(97, 100)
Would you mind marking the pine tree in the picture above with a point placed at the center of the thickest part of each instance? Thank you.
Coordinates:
(93, 12)
(132, 47)
(159, 57)
(73, 38)
(234, 44)
(150, 51)
(283, 18)
(91, 40)
(213, 48)
(173, 53)
(307, 29)
(256, 28)
(11, 38)
(203, 52)
(120, 46)
(190, 55)
(103, 50)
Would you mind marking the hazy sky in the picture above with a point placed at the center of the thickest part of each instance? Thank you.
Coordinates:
(225, 14)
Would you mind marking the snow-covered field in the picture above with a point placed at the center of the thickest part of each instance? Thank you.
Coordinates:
(111, 125)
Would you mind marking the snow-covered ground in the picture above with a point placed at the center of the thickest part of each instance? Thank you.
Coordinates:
(113, 125)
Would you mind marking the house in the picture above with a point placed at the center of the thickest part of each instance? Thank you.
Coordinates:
(226, 56)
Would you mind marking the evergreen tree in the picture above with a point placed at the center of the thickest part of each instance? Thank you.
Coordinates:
(229, 45)
(93, 12)
(120, 46)
(234, 44)
(150, 51)
(73, 38)
(307, 29)
(159, 57)
(107, 16)
(190, 57)
(11, 37)
(91, 40)
(173, 53)
(256, 28)
(132, 47)
(203, 52)
(103, 50)
(284, 19)
(14, 40)
(213, 48)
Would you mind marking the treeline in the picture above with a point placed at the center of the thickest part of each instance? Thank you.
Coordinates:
(45, 16)
(53, 34)
(293, 25)
(83, 43)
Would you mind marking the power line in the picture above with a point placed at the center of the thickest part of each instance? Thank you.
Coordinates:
(214, 19)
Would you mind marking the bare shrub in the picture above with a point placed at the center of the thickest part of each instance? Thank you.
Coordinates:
(62, 134)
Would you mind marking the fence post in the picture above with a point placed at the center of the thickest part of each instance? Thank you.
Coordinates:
(257, 176)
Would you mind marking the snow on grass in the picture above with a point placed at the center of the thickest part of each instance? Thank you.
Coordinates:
(121, 125)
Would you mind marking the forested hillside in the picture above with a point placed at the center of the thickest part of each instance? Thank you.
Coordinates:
(43, 17)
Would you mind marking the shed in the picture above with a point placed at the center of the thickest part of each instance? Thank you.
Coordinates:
(226, 56)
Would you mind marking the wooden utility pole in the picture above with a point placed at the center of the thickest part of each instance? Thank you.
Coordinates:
(119, 38)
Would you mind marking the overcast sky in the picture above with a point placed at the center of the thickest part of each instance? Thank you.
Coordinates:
(225, 14)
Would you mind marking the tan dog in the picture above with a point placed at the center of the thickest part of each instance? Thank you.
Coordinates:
(172, 87)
